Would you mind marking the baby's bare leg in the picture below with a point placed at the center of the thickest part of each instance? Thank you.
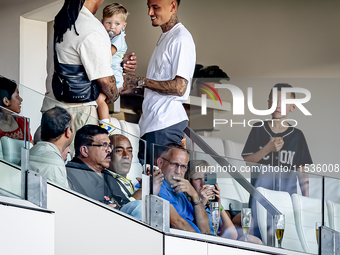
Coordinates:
(103, 108)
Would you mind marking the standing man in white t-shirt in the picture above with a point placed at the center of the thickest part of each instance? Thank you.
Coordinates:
(168, 80)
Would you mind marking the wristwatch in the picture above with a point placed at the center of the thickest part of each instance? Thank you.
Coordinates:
(198, 202)
(140, 83)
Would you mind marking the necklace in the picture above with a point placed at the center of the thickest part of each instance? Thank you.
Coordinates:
(165, 34)
(161, 39)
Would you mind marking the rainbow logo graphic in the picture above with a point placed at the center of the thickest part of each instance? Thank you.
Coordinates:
(201, 87)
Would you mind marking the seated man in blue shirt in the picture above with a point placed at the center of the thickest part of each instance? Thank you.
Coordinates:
(183, 214)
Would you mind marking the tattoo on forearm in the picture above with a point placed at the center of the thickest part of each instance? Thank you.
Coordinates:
(176, 87)
(113, 88)
(170, 24)
(110, 88)
(131, 81)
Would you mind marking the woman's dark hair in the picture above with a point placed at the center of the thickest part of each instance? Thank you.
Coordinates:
(7, 89)
(85, 136)
(66, 18)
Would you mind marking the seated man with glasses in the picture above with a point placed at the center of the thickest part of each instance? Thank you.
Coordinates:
(183, 215)
(87, 173)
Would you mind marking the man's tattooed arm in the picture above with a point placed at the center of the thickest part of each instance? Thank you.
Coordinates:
(175, 87)
(108, 86)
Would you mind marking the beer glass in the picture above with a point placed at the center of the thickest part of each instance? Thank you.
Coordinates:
(317, 225)
(215, 215)
(246, 222)
(280, 227)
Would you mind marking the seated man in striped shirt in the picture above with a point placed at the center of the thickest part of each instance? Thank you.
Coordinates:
(120, 165)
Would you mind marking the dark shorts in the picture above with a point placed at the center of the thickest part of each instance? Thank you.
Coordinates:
(172, 134)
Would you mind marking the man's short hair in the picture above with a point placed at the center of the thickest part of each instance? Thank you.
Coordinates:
(279, 86)
(171, 146)
(54, 123)
(114, 9)
(85, 136)
(178, 1)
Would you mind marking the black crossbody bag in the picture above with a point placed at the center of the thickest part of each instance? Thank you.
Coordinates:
(70, 83)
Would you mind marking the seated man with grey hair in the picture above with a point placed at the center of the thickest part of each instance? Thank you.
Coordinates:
(184, 215)
(48, 155)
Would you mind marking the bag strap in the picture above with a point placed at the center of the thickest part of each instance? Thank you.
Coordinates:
(56, 62)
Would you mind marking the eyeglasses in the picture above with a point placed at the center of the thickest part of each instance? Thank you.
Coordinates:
(104, 146)
(175, 165)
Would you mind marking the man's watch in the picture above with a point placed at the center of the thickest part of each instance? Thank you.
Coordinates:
(141, 83)
(198, 202)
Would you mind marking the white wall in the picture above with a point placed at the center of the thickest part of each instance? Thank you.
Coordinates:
(84, 228)
(33, 38)
(25, 231)
(10, 13)
(247, 38)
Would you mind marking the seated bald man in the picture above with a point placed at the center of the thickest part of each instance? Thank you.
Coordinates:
(120, 167)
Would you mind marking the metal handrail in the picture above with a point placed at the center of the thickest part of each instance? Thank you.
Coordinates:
(236, 175)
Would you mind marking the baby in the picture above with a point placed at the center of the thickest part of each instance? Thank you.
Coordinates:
(114, 21)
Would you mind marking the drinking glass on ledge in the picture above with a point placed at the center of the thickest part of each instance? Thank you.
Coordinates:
(280, 227)
(317, 225)
(215, 215)
(246, 222)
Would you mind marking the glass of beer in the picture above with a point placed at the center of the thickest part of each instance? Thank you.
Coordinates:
(279, 221)
(317, 225)
(246, 222)
(215, 215)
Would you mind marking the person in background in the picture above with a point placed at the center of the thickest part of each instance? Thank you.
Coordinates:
(10, 102)
(48, 156)
(168, 79)
(273, 144)
(114, 21)
(86, 172)
(81, 42)
(184, 215)
(195, 175)
(120, 166)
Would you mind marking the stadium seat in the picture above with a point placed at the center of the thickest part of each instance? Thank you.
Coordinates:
(282, 201)
(307, 212)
